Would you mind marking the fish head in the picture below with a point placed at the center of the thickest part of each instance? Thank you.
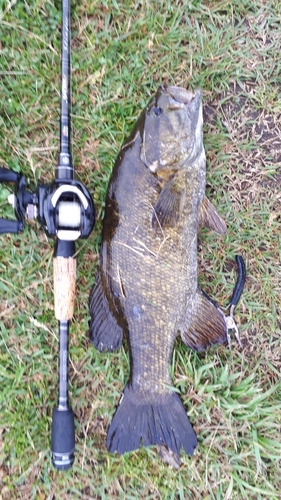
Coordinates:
(172, 129)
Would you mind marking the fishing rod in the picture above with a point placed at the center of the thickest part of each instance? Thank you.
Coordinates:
(66, 212)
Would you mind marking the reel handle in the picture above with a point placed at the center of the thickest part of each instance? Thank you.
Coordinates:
(63, 438)
(7, 175)
(10, 226)
(14, 226)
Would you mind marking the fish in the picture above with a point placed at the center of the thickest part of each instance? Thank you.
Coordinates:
(146, 285)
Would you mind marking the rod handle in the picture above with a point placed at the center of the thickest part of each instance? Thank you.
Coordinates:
(64, 287)
(63, 439)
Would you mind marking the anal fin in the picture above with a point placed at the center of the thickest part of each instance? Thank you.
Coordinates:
(207, 327)
(105, 333)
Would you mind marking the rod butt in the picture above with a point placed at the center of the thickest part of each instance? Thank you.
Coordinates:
(63, 439)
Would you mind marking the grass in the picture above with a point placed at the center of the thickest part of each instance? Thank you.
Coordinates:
(121, 52)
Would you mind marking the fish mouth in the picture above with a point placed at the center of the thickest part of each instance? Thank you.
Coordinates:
(182, 95)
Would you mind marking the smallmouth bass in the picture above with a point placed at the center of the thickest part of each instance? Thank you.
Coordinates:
(146, 284)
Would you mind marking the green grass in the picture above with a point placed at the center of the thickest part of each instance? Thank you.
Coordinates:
(121, 52)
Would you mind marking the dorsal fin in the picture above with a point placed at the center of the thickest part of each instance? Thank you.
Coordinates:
(105, 333)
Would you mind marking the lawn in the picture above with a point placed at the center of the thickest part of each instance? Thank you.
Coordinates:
(121, 53)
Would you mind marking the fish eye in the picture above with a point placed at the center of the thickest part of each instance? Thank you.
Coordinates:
(156, 111)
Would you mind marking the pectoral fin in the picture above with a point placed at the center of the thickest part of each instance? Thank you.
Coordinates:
(169, 205)
(209, 217)
(207, 326)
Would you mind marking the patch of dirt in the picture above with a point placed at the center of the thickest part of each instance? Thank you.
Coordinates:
(254, 131)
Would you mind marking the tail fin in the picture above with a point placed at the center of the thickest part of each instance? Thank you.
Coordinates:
(161, 421)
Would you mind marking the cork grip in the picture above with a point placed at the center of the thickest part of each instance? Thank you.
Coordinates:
(64, 287)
